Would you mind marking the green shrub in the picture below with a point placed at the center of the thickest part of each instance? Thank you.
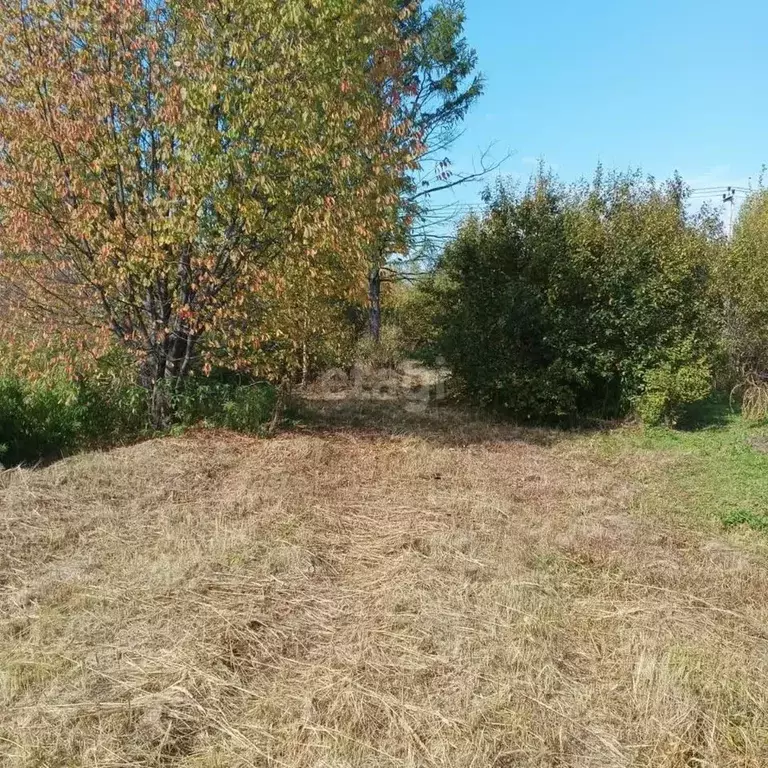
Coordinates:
(51, 416)
(40, 420)
(36, 420)
(248, 408)
(112, 405)
(743, 282)
(559, 302)
(415, 310)
(224, 400)
(670, 389)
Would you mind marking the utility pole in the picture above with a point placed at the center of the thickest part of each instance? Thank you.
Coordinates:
(730, 197)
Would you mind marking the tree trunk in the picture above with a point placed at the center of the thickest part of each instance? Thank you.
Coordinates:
(162, 373)
(374, 301)
(304, 364)
(152, 378)
(160, 405)
(283, 394)
(179, 357)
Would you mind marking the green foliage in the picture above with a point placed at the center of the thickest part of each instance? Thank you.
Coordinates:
(52, 416)
(672, 386)
(112, 405)
(35, 421)
(745, 517)
(414, 309)
(562, 303)
(388, 352)
(743, 284)
(224, 400)
(45, 419)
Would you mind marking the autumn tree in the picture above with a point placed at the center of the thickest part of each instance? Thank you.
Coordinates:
(157, 158)
(307, 315)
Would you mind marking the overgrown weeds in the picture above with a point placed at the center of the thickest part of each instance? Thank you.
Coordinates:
(50, 417)
(754, 404)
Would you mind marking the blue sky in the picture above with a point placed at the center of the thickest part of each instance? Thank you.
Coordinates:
(665, 86)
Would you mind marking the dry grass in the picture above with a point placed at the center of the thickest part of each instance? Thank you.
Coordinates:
(755, 399)
(428, 591)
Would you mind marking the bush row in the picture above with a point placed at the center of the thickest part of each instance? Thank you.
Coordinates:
(565, 303)
(47, 418)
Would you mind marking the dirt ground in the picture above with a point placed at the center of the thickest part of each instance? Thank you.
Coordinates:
(380, 586)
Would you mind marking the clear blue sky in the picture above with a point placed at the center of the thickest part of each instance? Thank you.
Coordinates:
(676, 85)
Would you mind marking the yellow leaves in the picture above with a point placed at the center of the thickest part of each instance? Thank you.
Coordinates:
(248, 153)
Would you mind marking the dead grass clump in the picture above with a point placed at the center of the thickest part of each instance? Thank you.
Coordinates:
(371, 598)
(754, 403)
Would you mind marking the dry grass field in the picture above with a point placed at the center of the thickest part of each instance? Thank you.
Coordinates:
(388, 589)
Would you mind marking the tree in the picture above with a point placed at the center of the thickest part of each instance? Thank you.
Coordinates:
(588, 301)
(440, 85)
(306, 318)
(743, 283)
(156, 159)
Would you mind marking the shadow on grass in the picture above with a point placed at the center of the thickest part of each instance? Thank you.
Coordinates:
(716, 411)
(443, 424)
(55, 454)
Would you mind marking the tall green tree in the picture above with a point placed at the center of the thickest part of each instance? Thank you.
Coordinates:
(744, 285)
(563, 302)
(441, 83)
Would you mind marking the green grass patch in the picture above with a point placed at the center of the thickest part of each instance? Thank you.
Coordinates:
(745, 517)
(718, 471)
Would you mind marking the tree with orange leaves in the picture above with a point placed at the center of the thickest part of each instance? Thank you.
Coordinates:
(156, 159)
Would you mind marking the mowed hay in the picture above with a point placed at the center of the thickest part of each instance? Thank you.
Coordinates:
(360, 599)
